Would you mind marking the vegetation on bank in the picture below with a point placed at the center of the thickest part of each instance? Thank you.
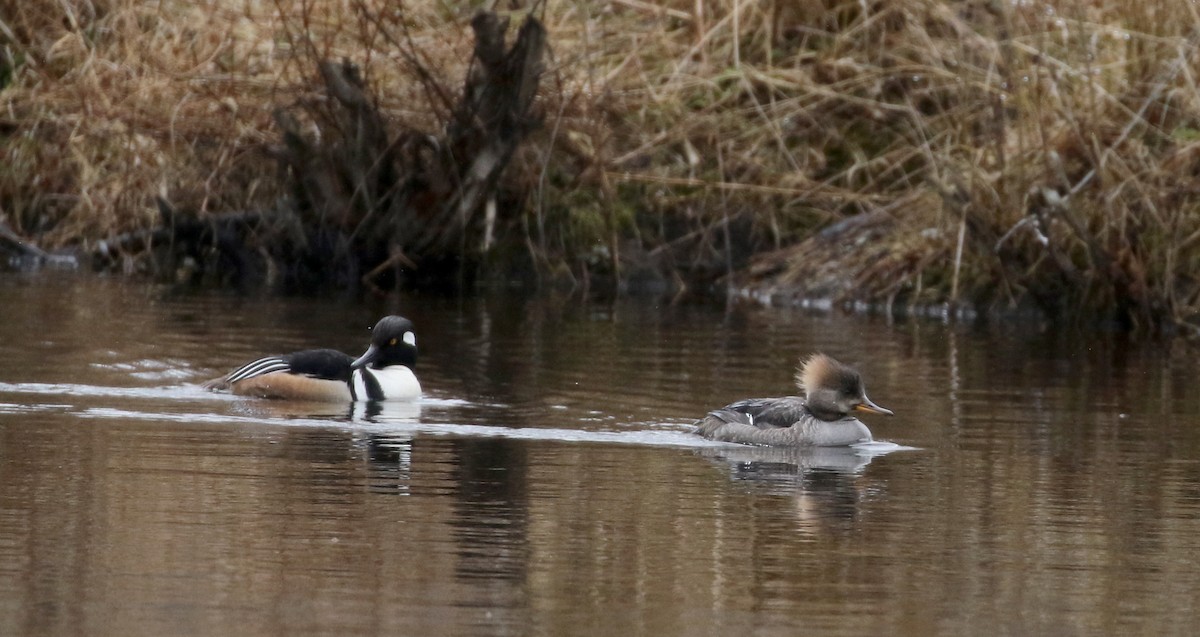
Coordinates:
(916, 152)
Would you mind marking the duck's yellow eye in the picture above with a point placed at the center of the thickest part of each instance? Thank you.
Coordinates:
(392, 342)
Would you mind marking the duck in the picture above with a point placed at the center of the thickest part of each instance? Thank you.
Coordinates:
(383, 372)
(822, 418)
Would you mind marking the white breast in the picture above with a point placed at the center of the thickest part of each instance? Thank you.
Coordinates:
(397, 382)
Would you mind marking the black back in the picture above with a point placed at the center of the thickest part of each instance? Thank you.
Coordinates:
(328, 364)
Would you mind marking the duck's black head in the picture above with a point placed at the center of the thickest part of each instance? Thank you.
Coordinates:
(833, 390)
(393, 342)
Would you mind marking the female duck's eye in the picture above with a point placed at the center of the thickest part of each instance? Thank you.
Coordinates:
(392, 342)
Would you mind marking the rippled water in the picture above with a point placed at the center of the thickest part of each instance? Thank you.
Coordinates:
(548, 483)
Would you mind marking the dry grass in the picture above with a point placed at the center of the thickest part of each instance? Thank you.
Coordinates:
(114, 102)
(1040, 153)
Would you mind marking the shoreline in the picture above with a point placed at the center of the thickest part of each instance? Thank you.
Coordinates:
(917, 153)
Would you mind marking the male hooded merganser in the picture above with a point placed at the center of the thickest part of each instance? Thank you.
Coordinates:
(384, 372)
(822, 418)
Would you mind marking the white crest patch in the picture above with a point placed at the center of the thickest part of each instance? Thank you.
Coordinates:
(410, 338)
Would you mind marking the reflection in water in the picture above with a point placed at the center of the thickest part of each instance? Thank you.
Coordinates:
(490, 514)
(548, 483)
(767, 461)
(824, 484)
(390, 459)
(487, 521)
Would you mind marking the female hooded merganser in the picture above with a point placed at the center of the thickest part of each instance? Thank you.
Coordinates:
(822, 418)
(384, 372)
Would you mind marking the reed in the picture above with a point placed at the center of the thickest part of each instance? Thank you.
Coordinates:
(1008, 154)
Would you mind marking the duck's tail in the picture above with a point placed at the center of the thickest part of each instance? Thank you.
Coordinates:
(714, 423)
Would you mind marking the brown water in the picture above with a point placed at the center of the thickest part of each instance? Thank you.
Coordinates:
(548, 485)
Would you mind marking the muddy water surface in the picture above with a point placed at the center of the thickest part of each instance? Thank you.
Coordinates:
(548, 483)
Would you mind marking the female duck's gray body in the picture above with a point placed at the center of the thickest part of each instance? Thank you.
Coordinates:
(821, 418)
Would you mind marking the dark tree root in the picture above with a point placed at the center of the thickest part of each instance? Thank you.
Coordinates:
(365, 205)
